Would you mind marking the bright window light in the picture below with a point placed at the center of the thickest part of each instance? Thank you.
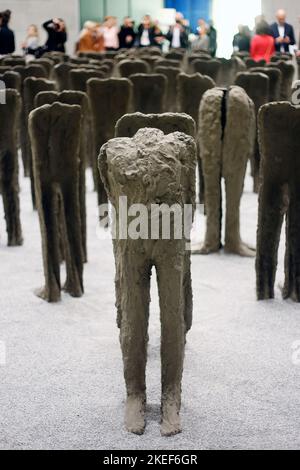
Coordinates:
(228, 15)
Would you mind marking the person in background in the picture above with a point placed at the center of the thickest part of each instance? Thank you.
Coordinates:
(283, 33)
(7, 37)
(242, 40)
(110, 32)
(262, 44)
(212, 34)
(31, 43)
(146, 33)
(159, 37)
(91, 38)
(127, 34)
(177, 36)
(202, 41)
(57, 35)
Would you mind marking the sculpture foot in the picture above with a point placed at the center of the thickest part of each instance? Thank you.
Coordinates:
(73, 290)
(171, 424)
(45, 294)
(241, 249)
(135, 415)
(15, 241)
(205, 249)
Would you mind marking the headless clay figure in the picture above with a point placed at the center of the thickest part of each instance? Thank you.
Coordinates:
(32, 86)
(149, 93)
(275, 79)
(11, 80)
(279, 124)
(74, 98)
(171, 73)
(9, 169)
(226, 133)
(27, 71)
(110, 99)
(55, 132)
(151, 168)
(131, 67)
(257, 87)
(288, 74)
(190, 90)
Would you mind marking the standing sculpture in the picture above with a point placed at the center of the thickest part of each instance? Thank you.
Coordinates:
(279, 197)
(9, 169)
(151, 168)
(55, 132)
(226, 134)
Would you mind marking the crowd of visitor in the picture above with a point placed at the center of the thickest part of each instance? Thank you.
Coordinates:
(262, 43)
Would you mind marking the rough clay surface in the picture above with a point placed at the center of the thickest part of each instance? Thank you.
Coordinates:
(9, 166)
(226, 134)
(151, 168)
(149, 92)
(241, 389)
(279, 196)
(110, 99)
(55, 132)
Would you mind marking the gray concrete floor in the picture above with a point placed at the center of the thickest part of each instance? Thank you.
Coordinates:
(62, 385)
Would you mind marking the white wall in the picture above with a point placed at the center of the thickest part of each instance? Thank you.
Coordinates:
(292, 8)
(26, 12)
(227, 15)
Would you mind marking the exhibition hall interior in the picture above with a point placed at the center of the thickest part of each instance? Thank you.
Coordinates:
(150, 225)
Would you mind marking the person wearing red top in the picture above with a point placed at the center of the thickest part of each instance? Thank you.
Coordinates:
(262, 44)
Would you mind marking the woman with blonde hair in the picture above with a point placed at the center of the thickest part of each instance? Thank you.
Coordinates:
(30, 45)
(91, 38)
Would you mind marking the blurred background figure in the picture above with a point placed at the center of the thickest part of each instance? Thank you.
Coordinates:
(242, 40)
(31, 44)
(146, 32)
(91, 38)
(283, 33)
(127, 34)
(57, 35)
(262, 44)
(177, 35)
(159, 37)
(202, 41)
(212, 34)
(7, 37)
(110, 32)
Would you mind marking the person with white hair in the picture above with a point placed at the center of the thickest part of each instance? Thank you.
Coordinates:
(91, 38)
(283, 32)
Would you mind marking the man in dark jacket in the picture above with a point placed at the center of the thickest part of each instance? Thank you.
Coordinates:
(7, 37)
(146, 33)
(177, 36)
(127, 34)
(57, 35)
(283, 33)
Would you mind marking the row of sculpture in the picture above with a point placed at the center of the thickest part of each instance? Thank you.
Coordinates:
(151, 157)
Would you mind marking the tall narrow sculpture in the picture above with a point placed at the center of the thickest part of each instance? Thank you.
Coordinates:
(279, 196)
(151, 168)
(55, 137)
(110, 99)
(226, 134)
(10, 108)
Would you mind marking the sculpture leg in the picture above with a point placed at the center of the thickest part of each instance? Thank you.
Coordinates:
(268, 236)
(10, 193)
(135, 287)
(170, 269)
(23, 142)
(188, 293)
(82, 203)
(255, 166)
(234, 183)
(292, 256)
(73, 249)
(48, 214)
(213, 205)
